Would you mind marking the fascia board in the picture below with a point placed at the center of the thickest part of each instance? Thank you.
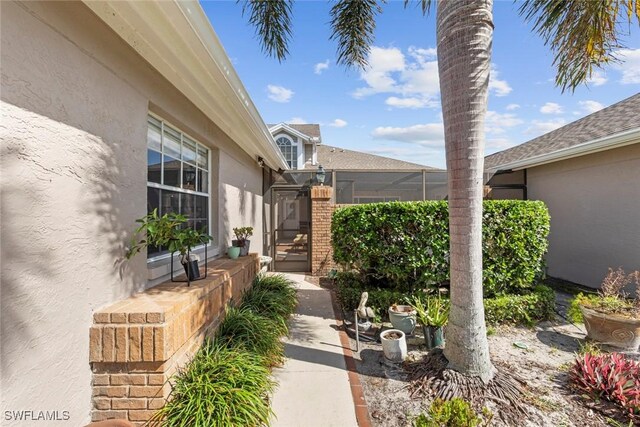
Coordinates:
(284, 127)
(601, 144)
(165, 34)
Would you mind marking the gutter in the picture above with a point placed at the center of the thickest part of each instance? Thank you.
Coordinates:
(617, 140)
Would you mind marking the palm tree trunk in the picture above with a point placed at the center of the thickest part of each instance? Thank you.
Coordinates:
(464, 32)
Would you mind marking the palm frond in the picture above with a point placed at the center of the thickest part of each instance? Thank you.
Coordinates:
(582, 34)
(425, 5)
(272, 21)
(353, 23)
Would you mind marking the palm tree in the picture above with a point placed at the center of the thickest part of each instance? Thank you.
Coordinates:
(582, 34)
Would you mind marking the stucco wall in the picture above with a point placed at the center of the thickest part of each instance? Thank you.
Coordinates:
(75, 99)
(594, 202)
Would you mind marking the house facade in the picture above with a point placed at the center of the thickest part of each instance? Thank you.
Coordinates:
(109, 110)
(588, 174)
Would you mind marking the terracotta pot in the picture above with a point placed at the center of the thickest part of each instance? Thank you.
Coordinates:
(612, 329)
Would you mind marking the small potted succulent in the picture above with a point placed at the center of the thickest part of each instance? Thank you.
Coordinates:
(242, 239)
(169, 231)
(433, 314)
(610, 317)
(403, 317)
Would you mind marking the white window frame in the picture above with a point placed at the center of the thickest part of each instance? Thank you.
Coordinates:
(163, 121)
(292, 143)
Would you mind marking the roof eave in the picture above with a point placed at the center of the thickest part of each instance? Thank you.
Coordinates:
(284, 127)
(176, 38)
(617, 140)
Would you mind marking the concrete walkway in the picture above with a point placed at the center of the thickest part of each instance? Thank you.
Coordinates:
(314, 388)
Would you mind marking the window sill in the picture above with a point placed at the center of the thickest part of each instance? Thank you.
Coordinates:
(159, 267)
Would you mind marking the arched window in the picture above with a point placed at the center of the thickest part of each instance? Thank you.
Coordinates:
(289, 150)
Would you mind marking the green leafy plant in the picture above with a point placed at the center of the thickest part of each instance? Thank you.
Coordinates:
(612, 377)
(525, 309)
(244, 328)
(405, 245)
(452, 413)
(221, 386)
(273, 297)
(167, 231)
(431, 311)
(610, 299)
(242, 234)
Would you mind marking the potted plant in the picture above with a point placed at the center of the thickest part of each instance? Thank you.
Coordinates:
(403, 317)
(169, 231)
(610, 317)
(242, 239)
(433, 314)
(233, 252)
(394, 345)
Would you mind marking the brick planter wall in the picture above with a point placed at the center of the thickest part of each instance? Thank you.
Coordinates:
(137, 344)
(321, 211)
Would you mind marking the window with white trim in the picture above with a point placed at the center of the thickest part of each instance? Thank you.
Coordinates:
(289, 151)
(178, 170)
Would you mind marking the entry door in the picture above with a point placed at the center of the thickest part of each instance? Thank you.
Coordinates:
(291, 230)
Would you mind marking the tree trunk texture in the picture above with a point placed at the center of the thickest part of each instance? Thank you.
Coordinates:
(464, 34)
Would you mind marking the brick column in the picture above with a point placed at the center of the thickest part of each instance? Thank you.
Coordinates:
(321, 211)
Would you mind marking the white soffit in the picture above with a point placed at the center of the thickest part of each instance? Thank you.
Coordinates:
(601, 144)
(176, 38)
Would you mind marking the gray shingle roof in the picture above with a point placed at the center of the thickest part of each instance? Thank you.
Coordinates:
(339, 158)
(311, 129)
(619, 117)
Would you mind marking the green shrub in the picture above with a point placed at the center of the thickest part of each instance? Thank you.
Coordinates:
(451, 413)
(405, 245)
(221, 386)
(525, 309)
(244, 329)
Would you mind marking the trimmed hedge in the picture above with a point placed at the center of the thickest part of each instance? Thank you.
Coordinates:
(525, 309)
(405, 245)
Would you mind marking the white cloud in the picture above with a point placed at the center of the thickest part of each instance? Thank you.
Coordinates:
(338, 123)
(497, 122)
(496, 86)
(279, 93)
(496, 144)
(512, 107)
(412, 78)
(297, 121)
(394, 101)
(597, 78)
(551, 108)
(320, 67)
(540, 127)
(629, 65)
(590, 106)
(430, 134)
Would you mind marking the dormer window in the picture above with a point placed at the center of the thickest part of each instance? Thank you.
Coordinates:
(289, 151)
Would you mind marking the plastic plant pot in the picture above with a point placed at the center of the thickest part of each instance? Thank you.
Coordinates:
(192, 270)
(433, 336)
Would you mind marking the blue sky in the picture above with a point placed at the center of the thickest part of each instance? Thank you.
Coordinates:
(393, 108)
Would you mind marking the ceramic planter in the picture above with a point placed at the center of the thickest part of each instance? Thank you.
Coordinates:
(394, 345)
(403, 317)
(611, 329)
(192, 270)
(433, 336)
(244, 250)
(233, 252)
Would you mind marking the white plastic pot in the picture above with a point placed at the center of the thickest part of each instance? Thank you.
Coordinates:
(394, 350)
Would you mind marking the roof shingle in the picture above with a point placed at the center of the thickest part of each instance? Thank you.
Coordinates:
(619, 117)
(335, 158)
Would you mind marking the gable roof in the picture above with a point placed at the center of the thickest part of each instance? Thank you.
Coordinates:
(614, 126)
(304, 131)
(335, 158)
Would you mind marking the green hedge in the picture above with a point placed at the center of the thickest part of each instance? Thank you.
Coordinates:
(526, 309)
(405, 245)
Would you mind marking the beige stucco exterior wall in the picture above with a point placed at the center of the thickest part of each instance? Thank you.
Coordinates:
(594, 203)
(75, 100)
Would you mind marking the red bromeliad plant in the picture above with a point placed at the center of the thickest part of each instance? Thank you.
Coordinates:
(609, 376)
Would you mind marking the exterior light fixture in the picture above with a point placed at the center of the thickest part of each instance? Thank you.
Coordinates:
(320, 175)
